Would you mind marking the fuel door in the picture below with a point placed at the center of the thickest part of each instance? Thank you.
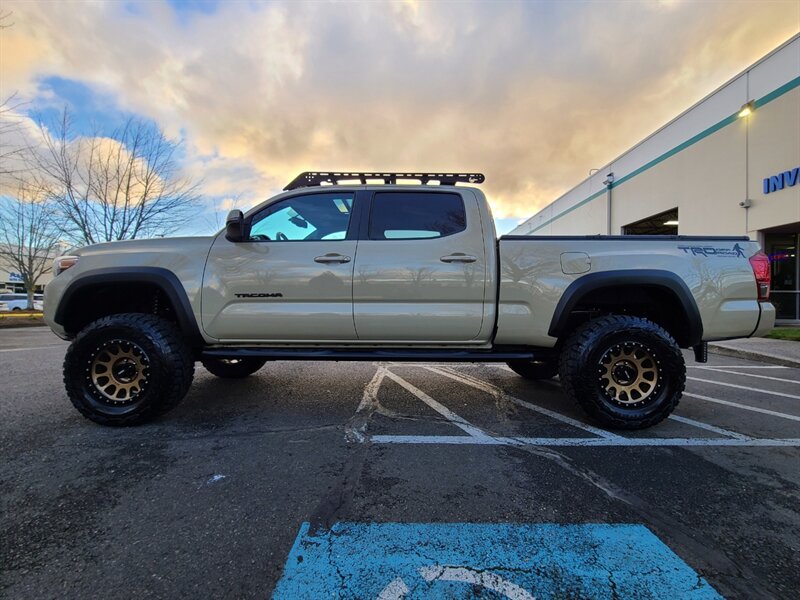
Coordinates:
(575, 263)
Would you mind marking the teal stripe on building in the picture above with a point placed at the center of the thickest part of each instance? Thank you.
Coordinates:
(766, 99)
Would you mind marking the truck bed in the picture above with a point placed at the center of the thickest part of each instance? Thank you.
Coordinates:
(541, 277)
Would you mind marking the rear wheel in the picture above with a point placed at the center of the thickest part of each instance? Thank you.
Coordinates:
(625, 372)
(233, 368)
(534, 370)
(127, 369)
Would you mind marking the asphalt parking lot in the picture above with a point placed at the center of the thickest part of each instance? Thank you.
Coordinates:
(316, 469)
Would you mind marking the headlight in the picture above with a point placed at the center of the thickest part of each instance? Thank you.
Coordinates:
(62, 263)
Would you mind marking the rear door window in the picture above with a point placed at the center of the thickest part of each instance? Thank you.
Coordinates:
(416, 215)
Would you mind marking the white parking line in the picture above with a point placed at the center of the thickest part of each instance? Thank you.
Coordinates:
(685, 420)
(719, 370)
(743, 406)
(356, 427)
(707, 427)
(712, 367)
(441, 409)
(619, 441)
(748, 388)
(476, 436)
(502, 395)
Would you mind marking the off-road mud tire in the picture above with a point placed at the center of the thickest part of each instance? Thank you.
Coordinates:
(588, 358)
(159, 358)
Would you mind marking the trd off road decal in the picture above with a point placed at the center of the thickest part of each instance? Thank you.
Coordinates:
(737, 251)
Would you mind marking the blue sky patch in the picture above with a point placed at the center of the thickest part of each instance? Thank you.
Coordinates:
(186, 7)
(89, 109)
(393, 561)
(507, 224)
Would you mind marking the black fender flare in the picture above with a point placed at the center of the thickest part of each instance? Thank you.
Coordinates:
(162, 278)
(640, 277)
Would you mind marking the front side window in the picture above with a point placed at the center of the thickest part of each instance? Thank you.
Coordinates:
(416, 215)
(313, 217)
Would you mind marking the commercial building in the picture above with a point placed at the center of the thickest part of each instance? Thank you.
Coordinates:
(729, 165)
(11, 280)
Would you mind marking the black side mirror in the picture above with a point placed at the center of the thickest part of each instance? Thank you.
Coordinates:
(234, 226)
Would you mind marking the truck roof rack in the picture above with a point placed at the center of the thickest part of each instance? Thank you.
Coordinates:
(317, 178)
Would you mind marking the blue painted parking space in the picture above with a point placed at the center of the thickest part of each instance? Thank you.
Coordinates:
(392, 561)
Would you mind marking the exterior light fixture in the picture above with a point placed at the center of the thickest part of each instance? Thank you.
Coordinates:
(675, 223)
(747, 109)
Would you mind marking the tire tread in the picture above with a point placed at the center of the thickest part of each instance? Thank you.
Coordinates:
(578, 345)
(163, 334)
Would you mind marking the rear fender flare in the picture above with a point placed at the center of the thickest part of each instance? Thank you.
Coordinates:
(665, 280)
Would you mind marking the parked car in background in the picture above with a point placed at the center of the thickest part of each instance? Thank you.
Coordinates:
(20, 302)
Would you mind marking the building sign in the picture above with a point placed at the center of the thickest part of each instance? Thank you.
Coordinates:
(15, 277)
(782, 180)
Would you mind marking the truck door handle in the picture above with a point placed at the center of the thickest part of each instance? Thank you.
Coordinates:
(458, 257)
(332, 258)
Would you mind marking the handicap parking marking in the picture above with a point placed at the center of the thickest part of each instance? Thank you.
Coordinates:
(357, 427)
(405, 561)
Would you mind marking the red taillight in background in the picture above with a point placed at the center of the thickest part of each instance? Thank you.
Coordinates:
(760, 264)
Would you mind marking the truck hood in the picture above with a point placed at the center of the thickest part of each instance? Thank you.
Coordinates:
(168, 244)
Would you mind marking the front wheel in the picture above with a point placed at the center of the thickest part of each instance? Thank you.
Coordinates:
(625, 372)
(233, 368)
(127, 369)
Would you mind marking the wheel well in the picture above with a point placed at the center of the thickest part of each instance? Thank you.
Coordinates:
(656, 303)
(94, 301)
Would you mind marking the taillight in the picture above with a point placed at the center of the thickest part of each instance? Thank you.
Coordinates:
(760, 264)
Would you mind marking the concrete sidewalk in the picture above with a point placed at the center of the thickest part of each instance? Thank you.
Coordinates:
(778, 352)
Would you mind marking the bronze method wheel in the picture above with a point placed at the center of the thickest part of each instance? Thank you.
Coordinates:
(119, 372)
(629, 374)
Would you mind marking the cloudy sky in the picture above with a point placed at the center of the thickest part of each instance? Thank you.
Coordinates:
(533, 94)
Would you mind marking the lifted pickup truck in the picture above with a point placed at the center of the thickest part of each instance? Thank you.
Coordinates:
(386, 271)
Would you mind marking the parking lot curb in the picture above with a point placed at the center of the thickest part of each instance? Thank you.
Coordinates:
(764, 357)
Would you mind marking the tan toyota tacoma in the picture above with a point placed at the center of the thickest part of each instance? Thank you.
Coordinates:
(376, 270)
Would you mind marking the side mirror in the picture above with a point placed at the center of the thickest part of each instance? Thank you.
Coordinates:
(234, 226)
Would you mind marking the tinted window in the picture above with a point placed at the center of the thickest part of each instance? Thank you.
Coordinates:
(311, 217)
(416, 215)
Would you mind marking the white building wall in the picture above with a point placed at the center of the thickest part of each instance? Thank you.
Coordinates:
(705, 178)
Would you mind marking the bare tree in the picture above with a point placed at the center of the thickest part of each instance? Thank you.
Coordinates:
(29, 237)
(10, 150)
(5, 20)
(9, 122)
(119, 186)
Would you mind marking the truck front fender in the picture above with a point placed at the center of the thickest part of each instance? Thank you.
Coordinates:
(164, 279)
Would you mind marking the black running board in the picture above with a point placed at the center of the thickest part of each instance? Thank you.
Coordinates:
(381, 354)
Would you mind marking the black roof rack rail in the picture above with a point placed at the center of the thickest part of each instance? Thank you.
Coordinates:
(315, 178)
